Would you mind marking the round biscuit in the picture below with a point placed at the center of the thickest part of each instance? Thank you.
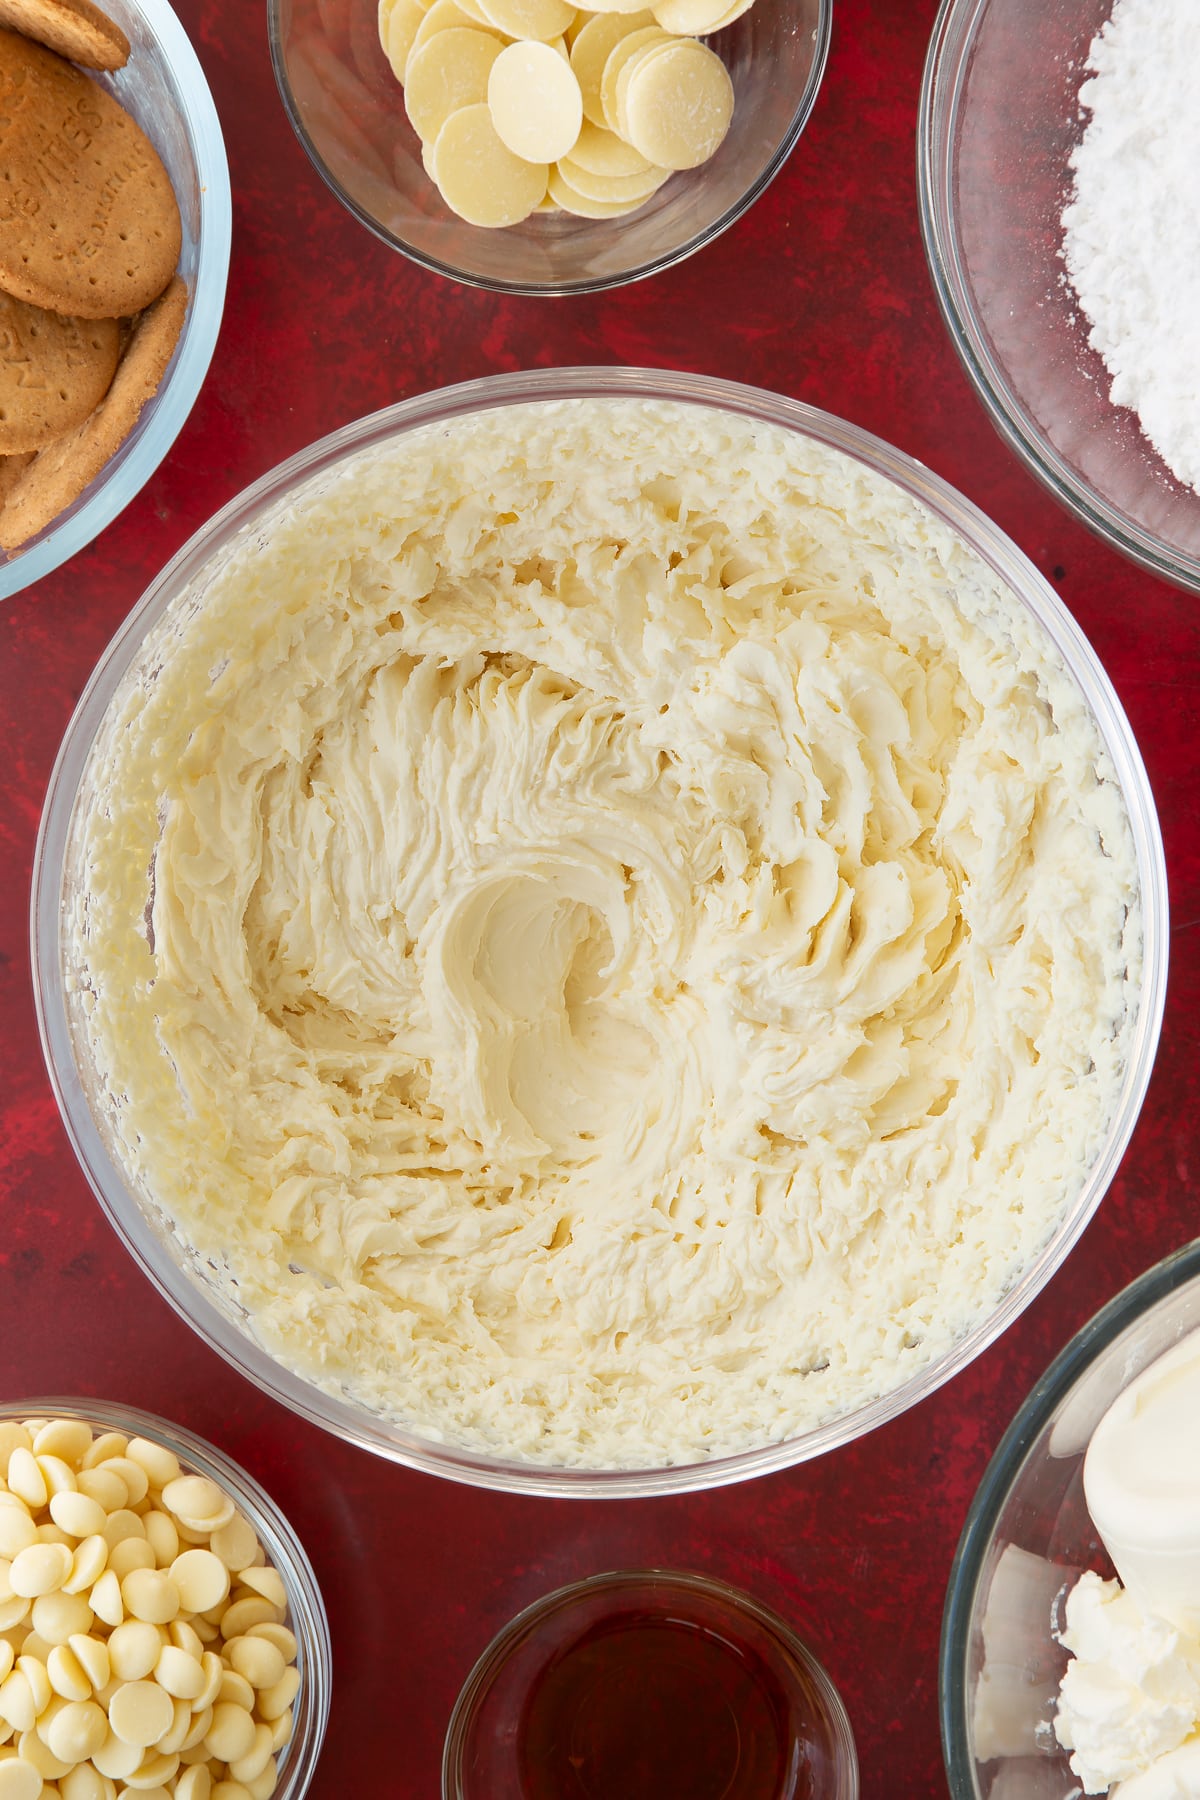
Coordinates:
(54, 370)
(74, 28)
(58, 475)
(90, 224)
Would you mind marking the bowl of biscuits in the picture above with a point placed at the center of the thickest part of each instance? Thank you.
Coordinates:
(539, 147)
(114, 250)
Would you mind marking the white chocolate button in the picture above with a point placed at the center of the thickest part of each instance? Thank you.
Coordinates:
(25, 1479)
(93, 1657)
(58, 1616)
(140, 1712)
(251, 1765)
(274, 1700)
(601, 152)
(678, 104)
(104, 1487)
(626, 191)
(19, 1781)
(180, 1673)
(105, 1598)
(41, 1569)
(195, 1497)
(201, 1580)
(70, 1439)
(258, 1661)
(131, 1553)
(160, 1464)
(133, 1650)
(153, 1773)
(77, 1731)
(231, 1733)
(479, 177)
(194, 1784)
(88, 1563)
(68, 1677)
(152, 1595)
(84, 1783)
(117, 1759)
(77, 1514)
(131, 1472)
(535, 102)
(106, 1444)
(449, 72)
(235, 1544)
(266, 1582)
(397, 35)
(17, 1531)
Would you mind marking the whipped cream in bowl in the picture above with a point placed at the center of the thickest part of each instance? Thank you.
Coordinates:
(600, 932)
(1070, 1657)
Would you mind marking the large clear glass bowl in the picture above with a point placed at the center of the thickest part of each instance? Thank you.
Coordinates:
(306, 1618)
(999, 118)
(183, 1277)
(347, 109)
(1027, 1538)
(164, 88)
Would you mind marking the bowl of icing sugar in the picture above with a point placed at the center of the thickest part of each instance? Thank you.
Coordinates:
(1058, 145)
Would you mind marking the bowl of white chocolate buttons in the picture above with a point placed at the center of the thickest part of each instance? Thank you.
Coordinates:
(533, 146)
(161, 1629)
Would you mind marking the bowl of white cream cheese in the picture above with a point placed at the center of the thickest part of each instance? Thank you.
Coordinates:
(599, 932)
(1071, 1642)
(1057, 148)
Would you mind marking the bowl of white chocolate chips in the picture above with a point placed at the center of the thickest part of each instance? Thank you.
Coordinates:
(599, 931)
(161, 1629)
(536, 146)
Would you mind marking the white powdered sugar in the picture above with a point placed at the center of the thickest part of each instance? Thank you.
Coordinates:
(1132, 226)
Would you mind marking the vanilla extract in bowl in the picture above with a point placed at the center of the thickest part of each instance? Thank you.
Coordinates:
(643, 1685)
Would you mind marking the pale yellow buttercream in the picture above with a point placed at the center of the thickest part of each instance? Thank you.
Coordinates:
(642, 932)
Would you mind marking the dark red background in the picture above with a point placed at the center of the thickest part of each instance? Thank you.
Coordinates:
(822, 291)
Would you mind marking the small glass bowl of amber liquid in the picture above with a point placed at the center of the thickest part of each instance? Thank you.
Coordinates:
(647, 1685)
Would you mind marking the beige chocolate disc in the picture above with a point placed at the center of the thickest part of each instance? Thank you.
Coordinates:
(542, 19)
(571, 200)
(535, 102)
(74, 28)
(90, 225)
(53, 370)
(479, 177)
(59, 474)
(692, 18)
(602, 152)
(624, 190)
(624, 52)
(398, 27)
(678, 104)
(441, 16)
(447, 73)
(591, 46)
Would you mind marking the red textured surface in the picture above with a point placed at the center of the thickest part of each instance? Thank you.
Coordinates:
(821, 290)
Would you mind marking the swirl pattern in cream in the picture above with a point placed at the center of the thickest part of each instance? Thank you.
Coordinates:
(642, 933)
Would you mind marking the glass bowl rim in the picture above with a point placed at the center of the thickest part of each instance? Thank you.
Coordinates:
(584, 284)
(492, 1658)
(117, 486)
(941, 99)
(305, 1602)
(440, 406)
(1116, 1316)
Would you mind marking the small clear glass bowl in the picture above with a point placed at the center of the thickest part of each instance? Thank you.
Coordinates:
(999, 118)
(347, 109)
(163, 87)
(183, 1276)
(1029, 1536)
(305, 1609)
(748, 1664)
